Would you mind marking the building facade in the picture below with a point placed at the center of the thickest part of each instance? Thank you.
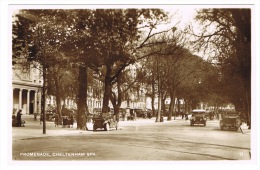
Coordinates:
(27, 86)
(27, 90)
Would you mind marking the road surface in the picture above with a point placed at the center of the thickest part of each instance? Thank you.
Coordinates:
(135, 140)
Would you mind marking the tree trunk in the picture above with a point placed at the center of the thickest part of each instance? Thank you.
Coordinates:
(43, 100)
(179, 106)
(158, 117)
(57, 93)
(107, 91)
(116, 101)
(172, 103)
(248, 105)
(116, 111)
(82, 98)
(153, 96)
(163, 103)
(185, 106)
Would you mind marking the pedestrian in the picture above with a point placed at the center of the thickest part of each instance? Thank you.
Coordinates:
(186, 116)
(41, 118)
(124, 115)
(35, 116)
(19, 118)
(134, 115)
(71, 119)
(57, 120)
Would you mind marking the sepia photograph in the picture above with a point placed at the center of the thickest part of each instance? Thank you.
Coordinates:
(131, 84)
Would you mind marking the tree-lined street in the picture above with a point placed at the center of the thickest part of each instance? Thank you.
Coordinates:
(75, 49)
(104, 64)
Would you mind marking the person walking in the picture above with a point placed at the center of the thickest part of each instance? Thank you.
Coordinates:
(19, 118)
(71, 119)
(57, 120)
(134, 115)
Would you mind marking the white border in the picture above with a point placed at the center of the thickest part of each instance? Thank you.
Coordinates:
(5, 73)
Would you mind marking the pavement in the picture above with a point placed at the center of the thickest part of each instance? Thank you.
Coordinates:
(34, 128)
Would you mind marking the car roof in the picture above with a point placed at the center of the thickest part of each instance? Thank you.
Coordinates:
(198, 110)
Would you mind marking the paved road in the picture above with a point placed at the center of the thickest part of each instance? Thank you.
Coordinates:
(135, 140)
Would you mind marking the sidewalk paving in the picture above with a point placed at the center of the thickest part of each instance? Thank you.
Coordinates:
(34, 128)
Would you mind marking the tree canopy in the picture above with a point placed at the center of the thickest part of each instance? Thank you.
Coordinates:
(226, 34)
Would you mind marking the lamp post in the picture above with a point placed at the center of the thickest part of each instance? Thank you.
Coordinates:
(159, 92)
(43, 102)
(43, 107)
(199, 81)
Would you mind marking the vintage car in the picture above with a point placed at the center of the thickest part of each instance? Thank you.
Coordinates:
(104, 121)
(50, 113)
(230, 121)
(198, 117)
(209, 115)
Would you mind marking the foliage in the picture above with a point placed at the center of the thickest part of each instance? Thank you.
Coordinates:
(228, 33)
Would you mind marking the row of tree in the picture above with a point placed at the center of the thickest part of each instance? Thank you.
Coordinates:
(101, 40)
(226, 37)
(73, 47)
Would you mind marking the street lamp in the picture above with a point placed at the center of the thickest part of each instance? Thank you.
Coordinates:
(199, 80)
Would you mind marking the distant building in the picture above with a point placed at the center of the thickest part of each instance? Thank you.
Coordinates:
(95, 95)
(27, 90)
(27, 85)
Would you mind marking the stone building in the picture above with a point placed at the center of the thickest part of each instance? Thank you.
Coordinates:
(27, 84)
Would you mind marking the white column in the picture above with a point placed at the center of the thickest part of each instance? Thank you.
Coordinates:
(51, 100)
(40, 102)
(20, 98)
(28, 102)
(35, 102)
(69, 101)
(66, 102)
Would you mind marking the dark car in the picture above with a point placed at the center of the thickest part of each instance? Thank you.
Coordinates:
(198, 117)
(122, 114)
(140, 113)
(50, 113)
(104, 121)
(230, 121)
(209, 115)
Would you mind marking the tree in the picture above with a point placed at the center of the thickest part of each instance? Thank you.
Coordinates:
(62, 83)
(231, 43)
(36, 40)
(118, 37)
(85, 54)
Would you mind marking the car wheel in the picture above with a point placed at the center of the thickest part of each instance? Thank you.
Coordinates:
(107, 127)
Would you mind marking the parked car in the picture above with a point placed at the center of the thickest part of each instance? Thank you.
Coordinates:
(50, 113)
(104, 121)
(139, 113)
(198, 117)
(230, 121)
(122, 114)
(209, 115)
